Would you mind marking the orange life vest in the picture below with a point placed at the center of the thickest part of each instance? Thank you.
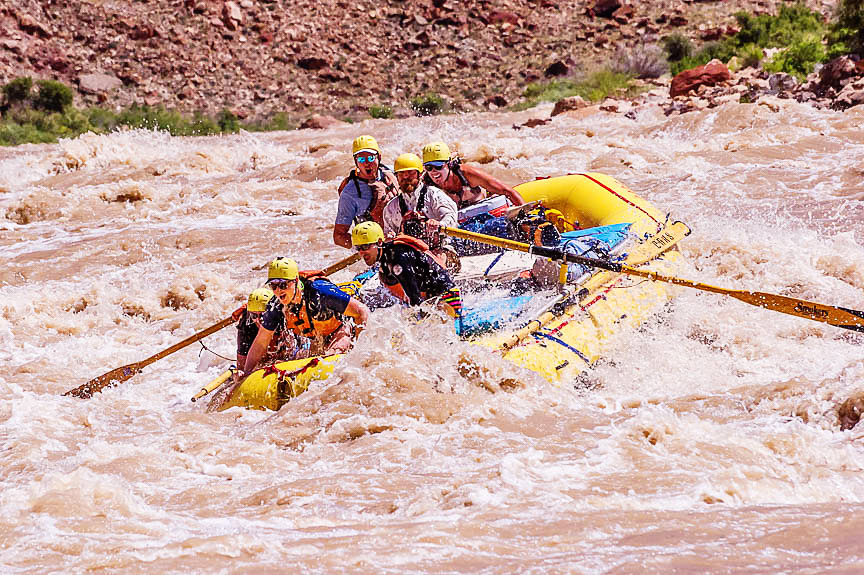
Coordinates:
(304, 324)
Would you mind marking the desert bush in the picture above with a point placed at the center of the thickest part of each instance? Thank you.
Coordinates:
(52, 96)
(429, 104)
(677, 47)
(640, 61)
(847, 30)
(381, 112)
(594, 87)
(17, 90)
(798, 59)
(228, 122)
(750, 56)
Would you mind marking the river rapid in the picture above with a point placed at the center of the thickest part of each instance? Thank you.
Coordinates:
(708, 442)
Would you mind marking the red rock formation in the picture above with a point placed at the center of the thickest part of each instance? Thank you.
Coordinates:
(710, 74)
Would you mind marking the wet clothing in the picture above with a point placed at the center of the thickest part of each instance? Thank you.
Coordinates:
(318, 314)
(282, 346)
(418, 275)
(359, 203)
(428, 200)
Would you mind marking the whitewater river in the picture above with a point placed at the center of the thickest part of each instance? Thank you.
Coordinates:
(709, 442)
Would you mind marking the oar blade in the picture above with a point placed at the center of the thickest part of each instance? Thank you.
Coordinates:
(111, 378)
(836, 316)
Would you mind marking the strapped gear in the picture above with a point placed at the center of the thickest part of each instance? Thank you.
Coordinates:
(282, 269)
(375, 211)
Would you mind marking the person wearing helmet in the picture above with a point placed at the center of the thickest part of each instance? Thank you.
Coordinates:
(248, 320)
(407, 268)
(419, 208)
(310, 306)
(466, 185)
(364, 192)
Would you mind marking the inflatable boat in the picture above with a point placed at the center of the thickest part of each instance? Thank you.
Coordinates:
(557, 332)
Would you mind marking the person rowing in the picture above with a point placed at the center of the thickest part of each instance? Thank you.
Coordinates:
(407, 268)
(420, 209)
(364, 192)
(311, 306)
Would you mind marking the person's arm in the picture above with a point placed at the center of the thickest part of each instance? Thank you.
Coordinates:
(445, 210)
(257, 351)
(342, 235)
(477, 177)
(357, 309)
(345, 214)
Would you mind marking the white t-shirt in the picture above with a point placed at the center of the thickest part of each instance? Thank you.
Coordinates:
(437, 206)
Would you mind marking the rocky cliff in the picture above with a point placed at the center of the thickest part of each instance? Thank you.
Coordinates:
(258, 57)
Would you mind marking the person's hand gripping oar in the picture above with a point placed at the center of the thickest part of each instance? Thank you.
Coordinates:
(121, 374)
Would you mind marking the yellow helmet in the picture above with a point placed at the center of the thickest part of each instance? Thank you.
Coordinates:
(365, 144)
(366, 233)
(407, 162)
(436, 152)
(258, 299)
(282, 269)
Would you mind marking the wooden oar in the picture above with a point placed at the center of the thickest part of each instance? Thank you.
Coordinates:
(640, 254)
(832, 315)
(121, 374)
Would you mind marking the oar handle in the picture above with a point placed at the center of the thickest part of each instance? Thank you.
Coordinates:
(342, 264)
(225, 376)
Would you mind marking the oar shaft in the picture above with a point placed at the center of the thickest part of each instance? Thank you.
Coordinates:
(188, 341)
(832, 315)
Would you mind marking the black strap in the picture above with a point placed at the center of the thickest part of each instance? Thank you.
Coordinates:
(421, 200)
(403, 205)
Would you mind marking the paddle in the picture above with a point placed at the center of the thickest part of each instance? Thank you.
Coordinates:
(121, 374)
(639, 254)
(836, 316)
(225, 376)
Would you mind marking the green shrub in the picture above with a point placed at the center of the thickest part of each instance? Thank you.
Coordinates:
(53, 96)
(677, 47)
(595, 87)
(18, 90)
(381, 112)
(102, 120)
(278, 121)
(228, 122)
(847, 30)
(429, 104)
(750, 56)
(798, 59)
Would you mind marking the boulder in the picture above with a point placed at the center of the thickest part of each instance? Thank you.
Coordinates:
(781, 82)
(605, 8)
(835, 73)
(319, 122)
(98, 83)
(710, 74)
(849, 412)
(232, 15)
(32, 26)
(850, 96)
(558, 68)
(567, 104)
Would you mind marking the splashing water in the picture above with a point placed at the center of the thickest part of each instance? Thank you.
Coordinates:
(708, 441)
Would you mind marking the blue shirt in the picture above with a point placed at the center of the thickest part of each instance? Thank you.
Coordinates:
(354, 201)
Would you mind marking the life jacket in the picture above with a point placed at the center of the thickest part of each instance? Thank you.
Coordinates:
(413, 221)
(420, 246)
(375, 211)
(306, 325)
(456, 168)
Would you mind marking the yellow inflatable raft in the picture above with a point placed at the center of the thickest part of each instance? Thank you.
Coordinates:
(566, 339)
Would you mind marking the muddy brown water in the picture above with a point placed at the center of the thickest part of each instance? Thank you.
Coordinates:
(707, 442)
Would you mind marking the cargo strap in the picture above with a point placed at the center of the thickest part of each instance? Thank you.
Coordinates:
(286, 379)
(539, 334)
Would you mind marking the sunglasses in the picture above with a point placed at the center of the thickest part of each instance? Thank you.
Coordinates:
(363, 247)
(434, 166)
(365, 159)
(279, 284)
